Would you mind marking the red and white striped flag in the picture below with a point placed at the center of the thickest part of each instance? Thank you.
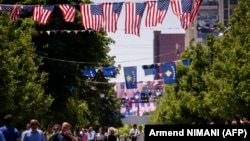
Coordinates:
(182, 9)
(156, 12)
(14, 11)
(68, 12)
(41, 13)
(111, 13)
(195, 10)
(133, 17)
(92, 16)
(14, 15)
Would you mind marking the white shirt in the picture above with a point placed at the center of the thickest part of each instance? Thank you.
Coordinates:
(133, 131)
(140, 136)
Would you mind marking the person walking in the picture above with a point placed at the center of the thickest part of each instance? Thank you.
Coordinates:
(9, 131)
(111, 134)
(133, 133)
(140, 134)
(34, 134)
(64, 135)
(2, 138)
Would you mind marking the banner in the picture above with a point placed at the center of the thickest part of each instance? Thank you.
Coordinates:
(169, 72)
(130, 77)
(150, 69)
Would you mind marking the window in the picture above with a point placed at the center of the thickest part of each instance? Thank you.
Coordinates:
(233, 1)
(225, 14)
(225, 3)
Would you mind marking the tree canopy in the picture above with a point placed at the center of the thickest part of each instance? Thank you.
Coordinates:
(215, 87)
(42, 73)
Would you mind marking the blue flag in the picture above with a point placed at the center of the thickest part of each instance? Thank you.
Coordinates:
(90, 72)
(150, 69)
(109, 71)
(169, 73)
(186, 61)
(130, 77)
(137, 97)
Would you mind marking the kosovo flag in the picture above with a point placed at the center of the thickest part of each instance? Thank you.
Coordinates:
(89, 72)
(169, 73)
(130, 77)
(150, 69)
(109, 71)
(137, 97)
(127, 100)
(186, 61)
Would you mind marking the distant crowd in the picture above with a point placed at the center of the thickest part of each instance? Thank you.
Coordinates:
(63, 132)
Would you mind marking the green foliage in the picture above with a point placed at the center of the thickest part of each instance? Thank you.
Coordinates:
(69, 96)
(216, 85)
(21, 84)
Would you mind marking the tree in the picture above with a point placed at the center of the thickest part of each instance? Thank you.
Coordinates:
(64, 56)
(21, 84)
(216, 85)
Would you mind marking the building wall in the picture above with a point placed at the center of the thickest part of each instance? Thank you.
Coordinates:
(210, 9)
(165, 46)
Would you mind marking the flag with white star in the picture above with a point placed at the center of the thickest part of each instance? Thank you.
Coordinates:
(130, 74)
(169, 72)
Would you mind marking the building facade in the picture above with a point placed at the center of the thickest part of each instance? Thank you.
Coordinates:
(210, 13)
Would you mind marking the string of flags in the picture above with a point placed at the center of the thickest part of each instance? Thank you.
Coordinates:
(106, 15)
(168, 72)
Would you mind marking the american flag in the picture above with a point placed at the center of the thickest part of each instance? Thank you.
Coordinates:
(68, 12)
(92, 16)
(133, 16)
(42, 13)
(14, 11)
(182, 9)
(111, 13)
(26, 8)
(156, 12)
(195, 9)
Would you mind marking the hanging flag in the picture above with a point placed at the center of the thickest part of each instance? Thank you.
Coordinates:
(169, 73)
(133, 16)
(68, 12)
(137, 97)
(150, 69)
(42, 13)
(182, 9)
(89, 72)
(109, 71)
(26, 8)
(195, 10)
(111, 13)
(130, 77)
(14, 11)
(127, 100)
(156, 12)
(92, 16)
(186, 61)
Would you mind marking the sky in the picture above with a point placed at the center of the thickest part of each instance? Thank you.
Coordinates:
(132, 50)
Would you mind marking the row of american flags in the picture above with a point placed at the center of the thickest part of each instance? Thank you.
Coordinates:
(167, 71)
(106, 15)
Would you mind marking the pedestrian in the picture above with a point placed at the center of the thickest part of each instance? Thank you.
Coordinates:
(34, 134)
(64, 135)
(9, 131)
(140, 133)
(133, 133)
(2, 138)
(111, 134)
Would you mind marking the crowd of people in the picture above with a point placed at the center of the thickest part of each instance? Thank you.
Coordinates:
(63, 132)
